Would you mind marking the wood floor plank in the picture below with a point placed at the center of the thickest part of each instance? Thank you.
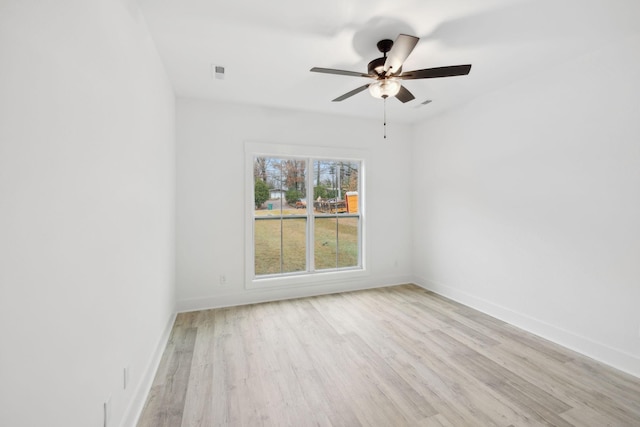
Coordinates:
(468, 399)
(460, 395)
(335, 376)
(396, 356)
(572, 388)
(168, 396)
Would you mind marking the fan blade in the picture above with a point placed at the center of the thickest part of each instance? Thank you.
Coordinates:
(400, 51)
(430, 73)
(339, 72)
(350, 94)
(404, 95)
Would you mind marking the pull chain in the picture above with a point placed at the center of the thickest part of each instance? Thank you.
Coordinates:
(385, 117)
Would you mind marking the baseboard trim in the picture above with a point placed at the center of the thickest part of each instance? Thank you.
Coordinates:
(255, 296)
(141, 392)
(613, 357)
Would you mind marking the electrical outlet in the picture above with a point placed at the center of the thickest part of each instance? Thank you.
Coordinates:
(125, 378)
(107, 411)
(223, 279)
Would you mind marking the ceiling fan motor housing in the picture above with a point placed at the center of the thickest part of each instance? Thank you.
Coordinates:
(385, 45)
(376, 67)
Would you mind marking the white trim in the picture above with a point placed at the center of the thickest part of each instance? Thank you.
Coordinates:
(608, 355)
(279, 294)
(253, 149)
(306, 279)
(136, 405)
(290, 150)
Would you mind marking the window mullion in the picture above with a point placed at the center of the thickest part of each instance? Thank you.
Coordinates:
(310, 218)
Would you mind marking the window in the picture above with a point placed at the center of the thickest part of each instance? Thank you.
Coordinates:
(307, 216)
(336, 216)
(280, 220)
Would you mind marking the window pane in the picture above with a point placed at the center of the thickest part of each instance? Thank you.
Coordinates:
(294, 246)
(348, 241)
(326, 243)
(336, 248)
(335, 184)
(267, 246)
(324, 182)
(280, 246)
(279, 186)
(262, 192)
(349, 180)
(294, 176)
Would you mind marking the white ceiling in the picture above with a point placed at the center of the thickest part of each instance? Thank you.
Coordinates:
(268, 47)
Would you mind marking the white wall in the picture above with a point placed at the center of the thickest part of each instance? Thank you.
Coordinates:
(86, 210)
(211, 196)
(527, 203)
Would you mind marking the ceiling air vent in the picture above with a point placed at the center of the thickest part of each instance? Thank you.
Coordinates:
(218, 71)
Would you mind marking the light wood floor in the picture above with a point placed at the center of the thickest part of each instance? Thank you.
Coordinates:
(397, 356)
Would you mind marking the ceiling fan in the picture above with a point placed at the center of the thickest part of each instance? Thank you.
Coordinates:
(387, 71)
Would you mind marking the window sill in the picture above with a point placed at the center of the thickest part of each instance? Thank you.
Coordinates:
(306, 279)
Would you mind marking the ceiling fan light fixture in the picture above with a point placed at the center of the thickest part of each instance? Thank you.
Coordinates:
(384, 88)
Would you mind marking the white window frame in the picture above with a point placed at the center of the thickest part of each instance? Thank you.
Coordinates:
(292, 280)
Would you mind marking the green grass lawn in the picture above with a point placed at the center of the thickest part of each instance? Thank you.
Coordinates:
(331, 251)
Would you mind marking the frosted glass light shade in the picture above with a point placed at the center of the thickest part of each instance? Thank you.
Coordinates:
(384, 88)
